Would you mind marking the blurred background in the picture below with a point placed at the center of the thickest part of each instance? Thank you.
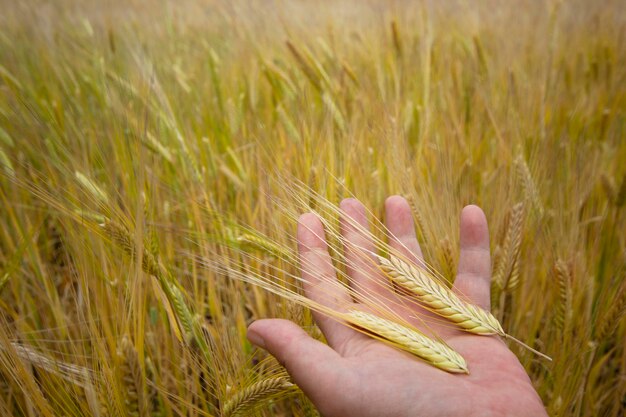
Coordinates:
(142, 140)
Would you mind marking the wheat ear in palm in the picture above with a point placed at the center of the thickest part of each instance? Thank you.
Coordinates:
(431, 351)
(442, 301)
(439, 299)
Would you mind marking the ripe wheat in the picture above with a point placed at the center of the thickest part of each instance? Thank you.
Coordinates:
(431, 351)
(251, 397)
(442, 301)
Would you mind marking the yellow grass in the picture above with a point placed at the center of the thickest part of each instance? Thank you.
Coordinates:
(181, 121)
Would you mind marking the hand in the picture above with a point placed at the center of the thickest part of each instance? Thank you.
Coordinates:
(355, 375)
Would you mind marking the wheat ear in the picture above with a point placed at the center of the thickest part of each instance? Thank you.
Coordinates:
(75, 374)
(442, 301)
(448, 259)
(151, 265)
(305, 66)
(431, 351)
(528, 184)
(132, 377)
(250, 397)
(507, 272)
(564, 307)
(249, 241)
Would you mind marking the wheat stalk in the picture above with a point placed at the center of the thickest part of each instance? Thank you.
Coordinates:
(6, 164)
(613, 316)
(251, 397)
(620, 196)
(431, 351)
(442, 301)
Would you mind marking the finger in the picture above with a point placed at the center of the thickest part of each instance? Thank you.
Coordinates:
(365, 277)
(399, 221)
(309, 362)
(320, 282)
(474, 271)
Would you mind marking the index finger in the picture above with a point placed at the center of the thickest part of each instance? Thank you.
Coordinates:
(320, 281)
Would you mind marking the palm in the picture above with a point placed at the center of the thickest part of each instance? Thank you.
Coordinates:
(359, 376)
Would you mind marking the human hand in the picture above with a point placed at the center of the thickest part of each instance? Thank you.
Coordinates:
(356, 375)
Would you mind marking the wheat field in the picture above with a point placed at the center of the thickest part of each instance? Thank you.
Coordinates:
(143, 141)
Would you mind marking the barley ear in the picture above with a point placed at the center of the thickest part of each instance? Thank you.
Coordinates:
(512, 247)
(305, 66)
(442, 301)
(531, 192)
(132, 377)
(564, 306)
(439, 298)
(91, 187)
(497, 281)
(422, 225)
(248, 241)
(433, 352)
(251, 397)
(448, 265)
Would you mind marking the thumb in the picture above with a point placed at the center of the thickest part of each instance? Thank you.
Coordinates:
(311, 363)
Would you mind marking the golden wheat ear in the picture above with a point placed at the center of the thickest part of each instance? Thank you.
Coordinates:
(442, 301)
(433, 352)
(253, 396)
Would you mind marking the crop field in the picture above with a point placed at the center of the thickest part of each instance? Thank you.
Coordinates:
(155, 156)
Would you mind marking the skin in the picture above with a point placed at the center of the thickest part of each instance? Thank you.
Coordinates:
(355, 375)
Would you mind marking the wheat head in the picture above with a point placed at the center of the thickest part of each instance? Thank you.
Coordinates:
(431, 351)
(132, 378)
(439, 298)
(250, 397)
(442, 301)
(249, 241)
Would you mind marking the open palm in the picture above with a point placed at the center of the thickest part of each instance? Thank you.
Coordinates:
(355, 375)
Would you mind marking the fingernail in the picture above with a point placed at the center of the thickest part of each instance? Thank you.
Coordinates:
(256, 339)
